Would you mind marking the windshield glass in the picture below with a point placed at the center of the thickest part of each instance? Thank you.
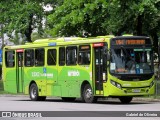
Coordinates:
(131, 61)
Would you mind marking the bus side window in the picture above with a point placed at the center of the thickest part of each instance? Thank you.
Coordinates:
(84, 55)
(71, 54)
(9, 58)
(29, 57)
(62, 56)
(39, 57)
(51, 57)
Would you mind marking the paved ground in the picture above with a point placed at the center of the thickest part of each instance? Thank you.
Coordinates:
(111, 107)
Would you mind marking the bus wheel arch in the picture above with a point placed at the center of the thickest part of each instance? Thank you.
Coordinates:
(32, 81)
(87, 93)
(33, 92)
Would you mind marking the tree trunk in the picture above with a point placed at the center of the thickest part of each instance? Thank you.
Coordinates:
(139, 25)
(155, 40)
(2, 36)
(28, 31)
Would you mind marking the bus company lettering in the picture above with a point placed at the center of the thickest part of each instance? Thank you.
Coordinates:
(73, 73)
(38, 74)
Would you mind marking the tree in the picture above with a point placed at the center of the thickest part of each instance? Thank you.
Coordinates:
(140, 17)
(21, 16)
(101, 17)
(73, 18)
(1, 35)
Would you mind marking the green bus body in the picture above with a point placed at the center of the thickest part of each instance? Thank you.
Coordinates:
(96, 78)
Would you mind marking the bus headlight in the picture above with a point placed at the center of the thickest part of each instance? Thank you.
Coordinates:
(151, 84)
(116, 84)
(119, 86)
(113, 83)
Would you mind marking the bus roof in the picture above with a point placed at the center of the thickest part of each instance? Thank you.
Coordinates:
(61, 41)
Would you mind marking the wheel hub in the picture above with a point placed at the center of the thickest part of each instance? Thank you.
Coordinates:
(33, 93)
(88, 93)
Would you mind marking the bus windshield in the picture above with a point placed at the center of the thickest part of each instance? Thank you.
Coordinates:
(131, 61)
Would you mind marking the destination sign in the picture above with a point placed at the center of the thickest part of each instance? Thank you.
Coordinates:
(130, 42)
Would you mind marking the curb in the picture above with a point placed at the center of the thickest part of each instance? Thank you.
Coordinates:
(134, 99)
(11, 95)
(147, 99)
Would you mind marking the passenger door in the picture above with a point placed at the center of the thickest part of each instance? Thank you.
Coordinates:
(20, 71)
(99, 68)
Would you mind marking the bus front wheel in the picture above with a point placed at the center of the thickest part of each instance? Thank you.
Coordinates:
(88, 96)
(125, 100)
(33, 92)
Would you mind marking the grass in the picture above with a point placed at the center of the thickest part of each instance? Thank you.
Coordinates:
(2, 92)
(1, 85)
(1, 88)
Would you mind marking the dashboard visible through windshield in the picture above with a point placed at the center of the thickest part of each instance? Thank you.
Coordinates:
(131, 61)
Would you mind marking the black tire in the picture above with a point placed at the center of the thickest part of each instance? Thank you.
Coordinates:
(125, 100)
(87, 94)
(33, 92)
(68, 99)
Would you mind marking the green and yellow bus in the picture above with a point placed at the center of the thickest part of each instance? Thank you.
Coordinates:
(86, 68)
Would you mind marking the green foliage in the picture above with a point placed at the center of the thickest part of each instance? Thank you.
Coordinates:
(1, 85)
(128, 15)
(21, 16)
(100, 17)
(75, 17)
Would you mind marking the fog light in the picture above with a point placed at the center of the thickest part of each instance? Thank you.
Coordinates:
(151, 84)
(125, 91)
(147, 91)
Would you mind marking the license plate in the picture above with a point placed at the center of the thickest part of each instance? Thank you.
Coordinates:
(136, 90)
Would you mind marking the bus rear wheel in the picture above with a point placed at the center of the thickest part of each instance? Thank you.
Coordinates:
(87, 95)
(33, 92)
(125, 100)
(68, 99)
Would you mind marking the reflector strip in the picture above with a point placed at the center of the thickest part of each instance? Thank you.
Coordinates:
(20, 50)
(98, 44)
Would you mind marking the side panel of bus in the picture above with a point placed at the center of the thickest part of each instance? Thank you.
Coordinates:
(72, 73)
(13, 71)
(35, 69)
(69, 73)
(9, 71)
(53, 86)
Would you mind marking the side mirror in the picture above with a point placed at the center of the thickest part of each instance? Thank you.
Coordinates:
(106, 53)
(105, 50)
(108, 56)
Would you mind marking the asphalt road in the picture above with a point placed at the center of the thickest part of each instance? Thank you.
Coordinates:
(111, 109)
